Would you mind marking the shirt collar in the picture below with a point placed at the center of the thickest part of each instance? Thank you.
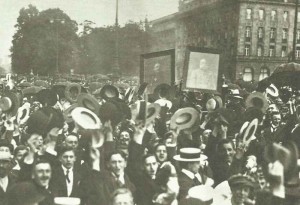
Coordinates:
(65, 169)
(191, 175)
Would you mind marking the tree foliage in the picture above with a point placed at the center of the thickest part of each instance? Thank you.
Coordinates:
(42, 39)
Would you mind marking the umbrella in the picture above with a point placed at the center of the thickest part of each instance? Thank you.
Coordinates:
(286, 75)
(32, 90)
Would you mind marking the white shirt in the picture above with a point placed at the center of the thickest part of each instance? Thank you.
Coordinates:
(4, 183)
(69, 184)
(191, 175)
(120, 178)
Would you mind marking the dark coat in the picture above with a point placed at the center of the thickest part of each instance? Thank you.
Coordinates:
(3, 195)
(58, 184)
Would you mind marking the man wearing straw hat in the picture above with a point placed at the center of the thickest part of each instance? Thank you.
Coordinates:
(190, 161)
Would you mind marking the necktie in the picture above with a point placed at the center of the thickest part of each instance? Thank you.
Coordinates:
(196, 181)
(67, 176)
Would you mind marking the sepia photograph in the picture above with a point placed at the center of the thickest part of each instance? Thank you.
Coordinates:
(149, 102)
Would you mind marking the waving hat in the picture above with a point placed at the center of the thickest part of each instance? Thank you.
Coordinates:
(72, 91)
(109, 92)
(85, 118)
(143, 111)
(272, 90)
(257, 99)
(214, 103)
(185, 118)
(88, 101)
(9, 103)
(23, 114)
(47, 97)
(67, 113)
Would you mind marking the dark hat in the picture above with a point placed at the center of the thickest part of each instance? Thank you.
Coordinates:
(185, 118)
(32, 90)
(223, 116)
(59, 89)
(67, 113)
(41, 83)
(6, 143)
(257, 99)
(24, 84)
(26, 193)
(190, 154)
(88, 101)
(109, 92)
(85, 118)
(47, 97)
(43, 120)
(71, 87)
(244, 180)
(162, 90)
(9, 103)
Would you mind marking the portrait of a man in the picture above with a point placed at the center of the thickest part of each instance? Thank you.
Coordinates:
(202, 71)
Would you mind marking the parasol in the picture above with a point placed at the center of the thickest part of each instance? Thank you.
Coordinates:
(286, 75)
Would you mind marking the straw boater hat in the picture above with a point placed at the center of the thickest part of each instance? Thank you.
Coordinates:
(88, 101)
(214, 103)
(257, 99)
(190, 154)
(144, 111)
(23, 114)
(85, 118)
(248, 131)
(272, 90)
(185, 118)
(67, 113)
(199, 195)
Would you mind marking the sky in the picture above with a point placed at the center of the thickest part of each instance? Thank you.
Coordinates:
(102, 12)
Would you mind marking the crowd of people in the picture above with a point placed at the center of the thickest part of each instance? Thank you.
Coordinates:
(63, 144)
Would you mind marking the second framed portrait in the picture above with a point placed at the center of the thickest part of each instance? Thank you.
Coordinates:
(201, 70)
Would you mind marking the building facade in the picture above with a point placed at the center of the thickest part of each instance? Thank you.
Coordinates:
(253, 36)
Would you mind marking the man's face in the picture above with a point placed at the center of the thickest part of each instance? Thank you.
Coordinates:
(194, 167)
(123, 199)
(240, 194)
(226, 151)
(161, 153)
(151, 166)
(42, 174)
(117, 164)
(5, 166)
(20, 154)
(68, 159)
(71, 141)
(276, 119)
(124, 139)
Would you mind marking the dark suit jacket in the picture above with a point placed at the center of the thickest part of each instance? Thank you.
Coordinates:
(185, 183)
(275, 136)
(3, 195)
(58, 184)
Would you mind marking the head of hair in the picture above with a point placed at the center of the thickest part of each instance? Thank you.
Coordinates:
(122, 191)
(121, 153)
(146, 156)
(65, 149)
(19, 148)
(224, 141)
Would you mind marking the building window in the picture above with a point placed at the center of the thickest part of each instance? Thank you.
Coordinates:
(273, 15)
(283, 51)
(248, 74)
(272, 34)
(248, 13)
(260, 51)
(285, 15)
(247, 50)
(298, 36)
(284, 35)
(261, 14)
(264, 73)
(272, 51)
(248, 31)
(260, 32)
(297, 52)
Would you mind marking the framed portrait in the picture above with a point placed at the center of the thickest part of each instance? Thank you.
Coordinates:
(201, 70)
(157, 68)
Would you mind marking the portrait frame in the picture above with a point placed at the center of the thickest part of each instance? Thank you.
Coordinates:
(155, 56)
(209, 76)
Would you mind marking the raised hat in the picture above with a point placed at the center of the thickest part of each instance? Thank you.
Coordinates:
(164, 103)
(88, 101)
(109, 92)
(47, 97)
(23, 114)
(32, 90)
(257, 99)
(69, 88)
(162, 90)
(85, 118)
(185, 118)
(203, 193)
(66, 201)
(9, 103)
(249, 131)
(190, 154)
(214, 103)
(143, 111)
(272, 90)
